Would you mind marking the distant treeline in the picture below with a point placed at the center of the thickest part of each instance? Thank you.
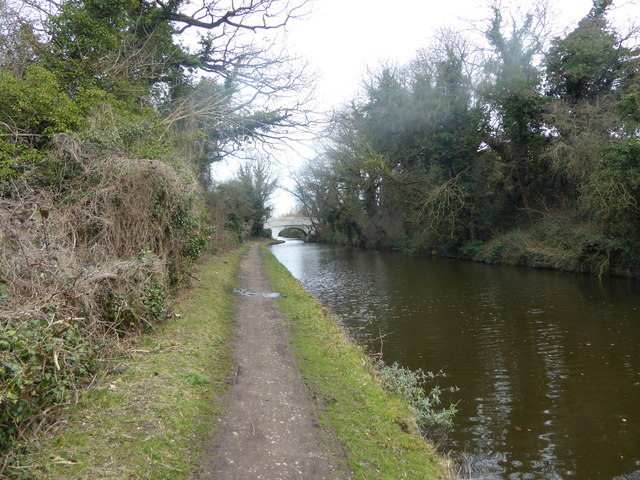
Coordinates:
(522, 150)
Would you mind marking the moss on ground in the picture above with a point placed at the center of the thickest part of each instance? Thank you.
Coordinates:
(375, 428)
(150, 420)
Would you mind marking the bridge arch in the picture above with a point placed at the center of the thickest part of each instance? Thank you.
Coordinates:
(277, 225)
(275, 233)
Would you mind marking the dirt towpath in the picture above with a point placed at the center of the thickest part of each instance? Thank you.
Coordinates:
(269, 430)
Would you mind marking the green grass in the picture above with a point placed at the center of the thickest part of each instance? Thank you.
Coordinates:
(151, 420)
(375, 428)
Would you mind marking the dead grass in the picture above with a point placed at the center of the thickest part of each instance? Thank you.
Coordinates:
(150, 420)
(61, 247)
(90, 248)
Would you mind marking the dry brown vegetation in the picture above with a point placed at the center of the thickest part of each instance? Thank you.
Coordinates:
(84, 261)
(64, 249)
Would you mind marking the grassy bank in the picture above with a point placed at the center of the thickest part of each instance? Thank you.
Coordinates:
(559, 244)
(375, 428)
(149, 416)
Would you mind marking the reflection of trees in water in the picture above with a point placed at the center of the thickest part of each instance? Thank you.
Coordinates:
(554, 355)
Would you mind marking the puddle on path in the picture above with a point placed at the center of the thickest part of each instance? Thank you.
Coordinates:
(248, 293)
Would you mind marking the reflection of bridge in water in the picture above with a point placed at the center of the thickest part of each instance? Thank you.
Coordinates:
(277, 225)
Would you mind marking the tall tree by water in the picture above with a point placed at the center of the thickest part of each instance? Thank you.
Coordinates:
(526, 154)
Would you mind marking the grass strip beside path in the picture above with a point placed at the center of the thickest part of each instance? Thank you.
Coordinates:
(375, 428)
(150, 421)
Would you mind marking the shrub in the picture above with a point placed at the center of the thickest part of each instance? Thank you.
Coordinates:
(84, 260)
(15, 158)
(120, 128)
(36, 105)
(473, 250)
(42, 362)
(612, 195)
(411, 386)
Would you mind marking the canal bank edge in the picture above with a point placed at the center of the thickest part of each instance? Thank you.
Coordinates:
(375, 428)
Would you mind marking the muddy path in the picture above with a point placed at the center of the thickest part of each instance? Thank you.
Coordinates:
(269, 429)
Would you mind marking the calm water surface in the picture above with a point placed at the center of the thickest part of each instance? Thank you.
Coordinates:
(548, 364)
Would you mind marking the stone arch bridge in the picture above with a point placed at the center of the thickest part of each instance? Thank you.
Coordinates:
(277, 225)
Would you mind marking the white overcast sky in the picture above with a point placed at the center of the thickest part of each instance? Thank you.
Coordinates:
(341, 39)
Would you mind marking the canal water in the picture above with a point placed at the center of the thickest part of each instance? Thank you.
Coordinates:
(547, 364)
